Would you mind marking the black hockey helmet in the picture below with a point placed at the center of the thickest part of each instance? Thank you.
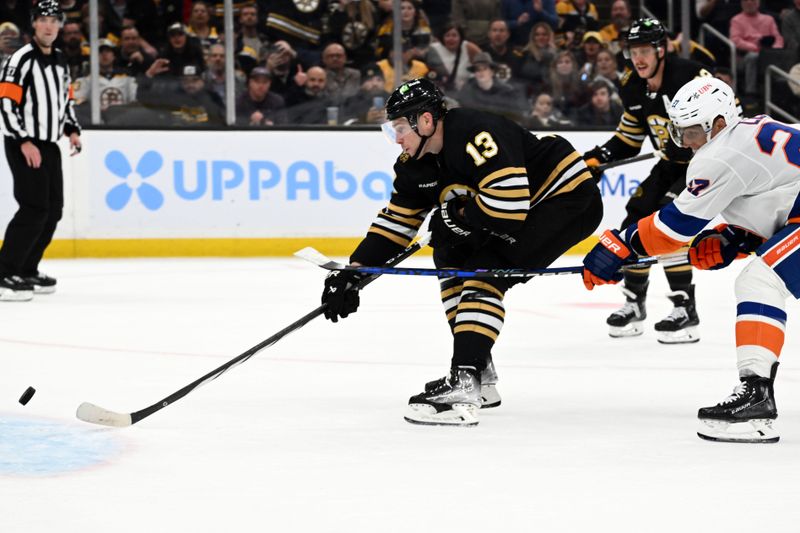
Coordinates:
(646, 31)
(413, 98)
(47, 8)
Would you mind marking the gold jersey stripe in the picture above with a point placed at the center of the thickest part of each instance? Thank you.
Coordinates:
(405, 210)
(507, 193)
(483, 286)
(626, 140)
(482, 330)
(577, 180)
(486, 307)
(397, 239)
(629, 129)
(560, 168)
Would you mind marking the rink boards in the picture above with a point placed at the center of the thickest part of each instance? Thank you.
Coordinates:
(240, 193)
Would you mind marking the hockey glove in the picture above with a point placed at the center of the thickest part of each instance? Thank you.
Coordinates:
(448, 228)
(340, 294)
(596, 157)
(717, 248)
(601, 265)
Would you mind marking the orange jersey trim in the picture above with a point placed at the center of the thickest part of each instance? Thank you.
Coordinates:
(654, 240)
(754, 333)
(783, 248)
(11, 91)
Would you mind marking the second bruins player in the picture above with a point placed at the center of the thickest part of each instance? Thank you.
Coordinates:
(501, 197)
(646, 91)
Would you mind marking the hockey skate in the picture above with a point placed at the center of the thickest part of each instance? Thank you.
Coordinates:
(628, 320)
(744, 416)
(15, 289)
(680, 326)
(454, 402)
(489, 396)
(42, 284)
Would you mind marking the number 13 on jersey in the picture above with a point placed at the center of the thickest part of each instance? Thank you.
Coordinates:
(482, 148)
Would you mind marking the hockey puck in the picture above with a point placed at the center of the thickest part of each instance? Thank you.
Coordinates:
(27, 395)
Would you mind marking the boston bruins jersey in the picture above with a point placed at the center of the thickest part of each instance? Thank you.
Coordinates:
(645, 112)
(502, 167)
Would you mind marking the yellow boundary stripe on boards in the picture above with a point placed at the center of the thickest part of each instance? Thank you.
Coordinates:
(336, 247)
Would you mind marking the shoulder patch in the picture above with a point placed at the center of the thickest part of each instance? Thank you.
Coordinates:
(703, 73)
(404, 157)
(626, 76)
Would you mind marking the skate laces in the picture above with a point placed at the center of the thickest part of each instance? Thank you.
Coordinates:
(737, 393)
(678, 313)
(629, 308)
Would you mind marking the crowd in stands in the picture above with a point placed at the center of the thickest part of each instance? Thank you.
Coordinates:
(543, 63)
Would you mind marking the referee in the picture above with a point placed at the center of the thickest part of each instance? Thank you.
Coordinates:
(35, 110)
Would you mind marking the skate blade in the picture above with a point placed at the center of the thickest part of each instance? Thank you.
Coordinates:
(490, 398)
(683, 336)
(460, 414)
(634, 329)
(7, 295)
(757, 430)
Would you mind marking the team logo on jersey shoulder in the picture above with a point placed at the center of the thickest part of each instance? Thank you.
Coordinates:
(697, 186)
(404, 157)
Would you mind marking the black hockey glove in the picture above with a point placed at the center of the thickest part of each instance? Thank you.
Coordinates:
(594, 158)
(448, 228)
(340, 294)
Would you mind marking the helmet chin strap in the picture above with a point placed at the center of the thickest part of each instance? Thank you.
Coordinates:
(658, 62)
(424, 139)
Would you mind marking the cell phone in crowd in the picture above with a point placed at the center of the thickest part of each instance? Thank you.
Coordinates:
(377, 102)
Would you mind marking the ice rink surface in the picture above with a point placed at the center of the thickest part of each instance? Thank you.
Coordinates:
(594, 434)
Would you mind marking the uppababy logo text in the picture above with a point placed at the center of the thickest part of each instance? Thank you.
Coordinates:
(119, 196)
(225, 179)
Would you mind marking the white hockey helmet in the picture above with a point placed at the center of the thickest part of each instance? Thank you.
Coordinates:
(698, 103)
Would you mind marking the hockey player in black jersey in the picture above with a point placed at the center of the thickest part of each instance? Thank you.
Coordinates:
(501, 197)
(646, 91)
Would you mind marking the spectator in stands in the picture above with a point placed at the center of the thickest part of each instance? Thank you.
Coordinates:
(189, 104)
(214, 74)
(591, 44)
(248, 34)
(751, 32)
(116, 87)
(257, 105)
(416, 33)
(450, 56)
(18, 12)
(342, 81)
(75, 49)
(246, 60)
(601, 110)
(144, 15)
(367, 105)
(109, 27)
(474, 16)
(132, 59)
(354, 25)
(522, 15)
(534, 69)
(485, 91)
(298, 23)
(544, 115)
(10, 40)
(309, 104)
(621, 19)
(790, 28)
(506, 56)
(181, 49)
(607, 68)
(575, 17)
(568, 92)
(717, 13)
(412, 70)
(200, 26)
(287, 72)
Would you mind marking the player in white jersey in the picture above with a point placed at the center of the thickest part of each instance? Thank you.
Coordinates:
(747, 171)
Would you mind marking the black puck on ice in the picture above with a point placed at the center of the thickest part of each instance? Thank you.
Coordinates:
(27, 395)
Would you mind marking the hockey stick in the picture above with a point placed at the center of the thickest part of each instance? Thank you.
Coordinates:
(89, 412)
(313, 256)
(641, 157)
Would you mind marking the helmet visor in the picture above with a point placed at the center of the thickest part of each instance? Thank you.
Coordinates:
(684, 136)
(396, 129)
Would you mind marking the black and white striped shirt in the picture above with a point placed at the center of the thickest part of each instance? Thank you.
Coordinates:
(35, 96)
